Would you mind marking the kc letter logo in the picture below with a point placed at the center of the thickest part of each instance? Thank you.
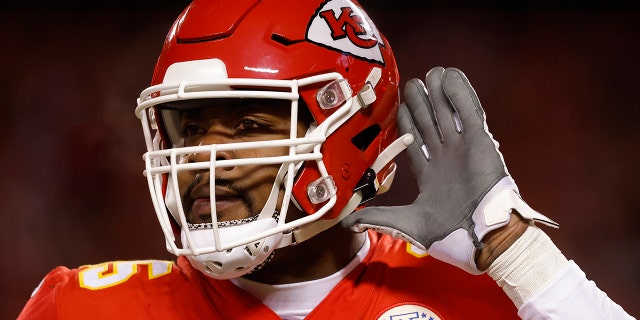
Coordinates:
(342, 26)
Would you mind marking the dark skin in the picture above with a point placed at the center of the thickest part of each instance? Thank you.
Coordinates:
(246, 189)
(314, 259)
(241, 191)
(498, 241)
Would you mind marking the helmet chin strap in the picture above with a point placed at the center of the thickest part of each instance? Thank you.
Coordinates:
(242, 259)
(309, 230)
(234, 262)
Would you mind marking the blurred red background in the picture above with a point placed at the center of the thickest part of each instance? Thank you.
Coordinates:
(558, 84)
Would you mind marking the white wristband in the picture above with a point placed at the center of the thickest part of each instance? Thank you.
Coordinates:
(529, 265)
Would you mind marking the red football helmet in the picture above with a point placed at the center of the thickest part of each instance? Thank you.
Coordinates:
(326, 56)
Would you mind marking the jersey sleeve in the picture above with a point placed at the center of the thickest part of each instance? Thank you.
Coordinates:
(110, 290)
(42, 304)
(572, 296)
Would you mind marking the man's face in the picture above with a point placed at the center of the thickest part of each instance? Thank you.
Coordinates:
(240, 191)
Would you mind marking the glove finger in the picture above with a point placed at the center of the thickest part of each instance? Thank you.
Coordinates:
(421, 118)
(421, 110)
(418, 150)
(443, 111)
(463, 98)
(382, 219)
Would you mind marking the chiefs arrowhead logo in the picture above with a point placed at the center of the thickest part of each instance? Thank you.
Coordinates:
(342, 26)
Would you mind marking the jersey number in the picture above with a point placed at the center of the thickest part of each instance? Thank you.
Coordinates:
(109, 274)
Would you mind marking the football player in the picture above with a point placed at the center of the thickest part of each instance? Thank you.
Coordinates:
(269, 126)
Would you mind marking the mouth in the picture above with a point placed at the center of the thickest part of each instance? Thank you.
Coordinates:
(225, 207)
(230, 204)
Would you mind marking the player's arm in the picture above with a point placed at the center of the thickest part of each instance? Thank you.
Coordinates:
(469, 212)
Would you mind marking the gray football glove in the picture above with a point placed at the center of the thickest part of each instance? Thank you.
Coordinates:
(465, 190)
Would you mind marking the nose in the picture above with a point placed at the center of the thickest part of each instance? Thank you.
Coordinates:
(214, 137)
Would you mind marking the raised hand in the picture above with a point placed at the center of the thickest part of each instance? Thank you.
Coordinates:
(465, 190)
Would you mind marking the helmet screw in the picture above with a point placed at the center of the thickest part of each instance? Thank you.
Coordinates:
(345, 171)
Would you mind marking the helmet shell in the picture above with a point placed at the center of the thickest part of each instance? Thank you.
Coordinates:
(293, 39)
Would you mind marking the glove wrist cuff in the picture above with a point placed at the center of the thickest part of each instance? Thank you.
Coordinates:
(493, 212)
(495, 209)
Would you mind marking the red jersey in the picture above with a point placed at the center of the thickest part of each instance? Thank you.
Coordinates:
(392, 283)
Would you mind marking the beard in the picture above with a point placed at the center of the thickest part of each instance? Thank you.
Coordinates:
(199, 182)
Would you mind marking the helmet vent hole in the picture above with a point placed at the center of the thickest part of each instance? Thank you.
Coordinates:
(364, 138)
(213, 265)
(283, 40)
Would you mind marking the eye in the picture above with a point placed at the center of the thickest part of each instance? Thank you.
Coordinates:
(191, 129)
(249, 124)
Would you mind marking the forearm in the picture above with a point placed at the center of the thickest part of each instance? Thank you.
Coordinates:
(498, 241)
(543, 284)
